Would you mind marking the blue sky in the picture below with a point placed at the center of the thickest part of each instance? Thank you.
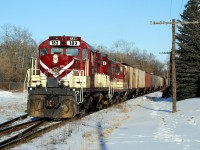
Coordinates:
(98, 22)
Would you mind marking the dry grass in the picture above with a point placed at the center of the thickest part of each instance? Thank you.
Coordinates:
(89, 136)
(136, 106)
(53, 141)
(122, 108)
(108, 131)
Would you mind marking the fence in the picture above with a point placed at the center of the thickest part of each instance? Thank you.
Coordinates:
(12, 86)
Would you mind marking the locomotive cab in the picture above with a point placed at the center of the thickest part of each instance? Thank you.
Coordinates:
(62, 58)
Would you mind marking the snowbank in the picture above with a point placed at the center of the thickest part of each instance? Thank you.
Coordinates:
(142, 123)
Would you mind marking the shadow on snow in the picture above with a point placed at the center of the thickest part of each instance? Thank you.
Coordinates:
(162, 110)
(159, 99)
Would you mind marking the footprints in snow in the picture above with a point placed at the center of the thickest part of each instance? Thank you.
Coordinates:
(190, 120)
(169, 124)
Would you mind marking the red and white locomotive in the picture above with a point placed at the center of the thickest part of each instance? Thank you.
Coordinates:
(70, 77)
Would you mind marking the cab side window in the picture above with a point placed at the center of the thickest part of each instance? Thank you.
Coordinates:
(43, 52)
(84, 54)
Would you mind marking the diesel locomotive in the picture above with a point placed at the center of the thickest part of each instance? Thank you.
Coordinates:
(70, 77)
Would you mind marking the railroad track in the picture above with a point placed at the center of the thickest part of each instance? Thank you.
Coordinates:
(7, 123)
(31, 130)
(17, 127)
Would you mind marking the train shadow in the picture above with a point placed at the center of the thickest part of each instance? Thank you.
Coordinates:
(158, 99)
(101, 137)
(161, 110)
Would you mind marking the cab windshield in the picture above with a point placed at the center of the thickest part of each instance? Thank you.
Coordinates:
(72, 51)
(67, 51)
(56, 50)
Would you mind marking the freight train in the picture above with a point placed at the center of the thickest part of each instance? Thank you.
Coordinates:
(70, 77)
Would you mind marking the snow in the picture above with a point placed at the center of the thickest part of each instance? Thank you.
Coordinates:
(142, 123)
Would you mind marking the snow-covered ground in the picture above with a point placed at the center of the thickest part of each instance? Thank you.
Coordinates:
(144, 123)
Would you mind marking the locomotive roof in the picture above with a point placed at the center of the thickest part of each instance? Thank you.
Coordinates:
(91, 47)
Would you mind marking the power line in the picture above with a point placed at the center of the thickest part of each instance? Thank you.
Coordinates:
(164, 52)
(181, 7)
(170, 9)
(173, 23)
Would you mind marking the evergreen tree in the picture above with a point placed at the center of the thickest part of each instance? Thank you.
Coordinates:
(188, 59)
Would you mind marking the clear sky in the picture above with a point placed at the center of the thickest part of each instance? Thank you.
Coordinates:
(98, 22)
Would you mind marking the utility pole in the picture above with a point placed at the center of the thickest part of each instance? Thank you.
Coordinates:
(173, 23)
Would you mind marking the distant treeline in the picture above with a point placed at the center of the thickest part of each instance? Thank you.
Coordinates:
(125, 52)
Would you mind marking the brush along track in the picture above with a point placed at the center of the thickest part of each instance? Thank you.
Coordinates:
(32, 132)
(13, 120)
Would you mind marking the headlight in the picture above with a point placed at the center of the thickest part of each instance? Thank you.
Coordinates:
(66, 83)
(38, 83)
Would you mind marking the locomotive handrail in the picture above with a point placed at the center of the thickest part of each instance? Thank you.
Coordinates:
(81, 86)
(25, 86)
(111, 90)
(81, 74)
(25, 81)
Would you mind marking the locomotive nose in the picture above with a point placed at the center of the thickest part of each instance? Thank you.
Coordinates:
(55, 70)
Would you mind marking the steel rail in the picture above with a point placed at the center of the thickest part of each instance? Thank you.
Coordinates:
(2, 125)
(32, 133)
(17, 127)
(6, 143)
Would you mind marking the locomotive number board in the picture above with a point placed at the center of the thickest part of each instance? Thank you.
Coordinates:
(73, 43)
(54, 42)
(69, 43)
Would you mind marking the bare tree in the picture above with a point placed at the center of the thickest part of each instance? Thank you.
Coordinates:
(16, 48)
(125, 52)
